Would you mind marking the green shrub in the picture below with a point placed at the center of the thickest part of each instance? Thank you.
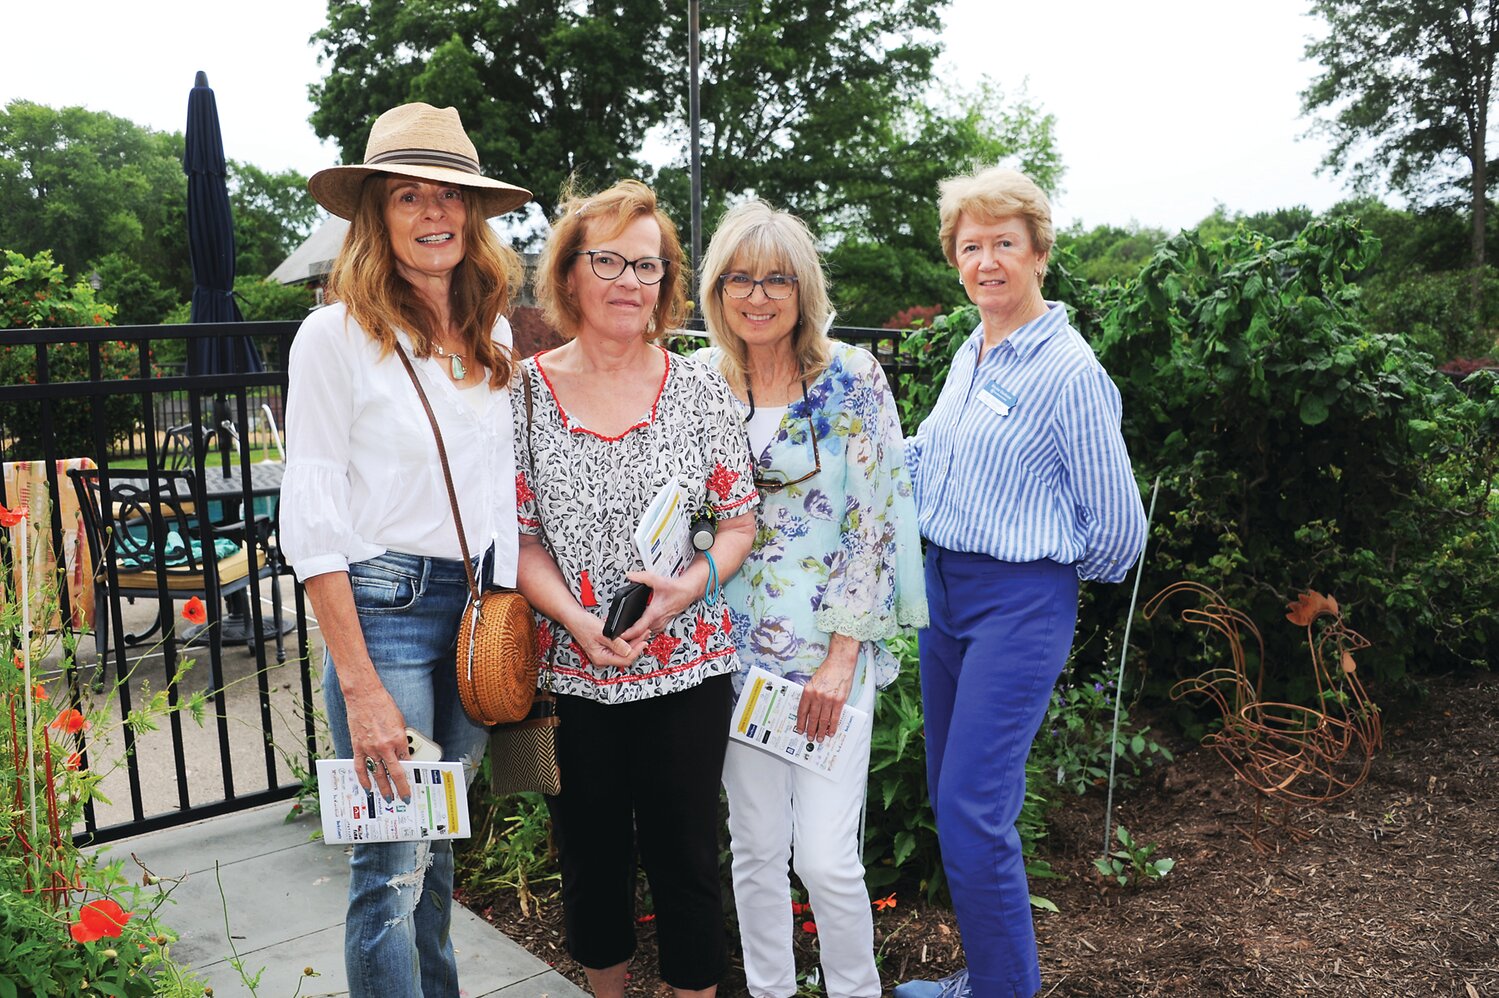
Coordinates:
(33, 294)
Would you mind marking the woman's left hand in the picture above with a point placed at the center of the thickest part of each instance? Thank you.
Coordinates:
(827, 691)
(669, 597)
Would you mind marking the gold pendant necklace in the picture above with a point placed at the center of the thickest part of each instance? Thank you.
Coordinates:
(455, 362)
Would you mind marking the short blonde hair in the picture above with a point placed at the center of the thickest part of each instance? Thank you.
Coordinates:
(614, 210)
(993, 194)
(755, 238)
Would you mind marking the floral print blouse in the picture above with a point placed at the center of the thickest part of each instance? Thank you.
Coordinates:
(589, 492)
(838, 553)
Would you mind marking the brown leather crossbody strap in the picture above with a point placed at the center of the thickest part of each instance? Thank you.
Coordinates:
(447, 475)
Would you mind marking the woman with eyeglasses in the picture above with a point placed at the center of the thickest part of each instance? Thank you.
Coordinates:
(834, 571)
(613, 420)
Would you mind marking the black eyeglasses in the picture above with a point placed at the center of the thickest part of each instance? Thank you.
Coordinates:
(778, 287)
(608, 266)
(762, 481)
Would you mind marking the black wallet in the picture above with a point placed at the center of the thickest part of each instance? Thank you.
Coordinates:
(628, 604)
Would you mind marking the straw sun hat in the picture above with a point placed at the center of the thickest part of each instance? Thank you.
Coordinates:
(420, 141)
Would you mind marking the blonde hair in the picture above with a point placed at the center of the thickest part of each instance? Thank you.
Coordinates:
(990, 195)
(365, 279)
(613, 210)
(755, 238)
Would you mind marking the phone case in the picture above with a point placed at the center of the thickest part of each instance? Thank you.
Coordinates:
(423, 749)
(628, 604)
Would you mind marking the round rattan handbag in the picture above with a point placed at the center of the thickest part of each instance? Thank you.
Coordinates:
(497, 661)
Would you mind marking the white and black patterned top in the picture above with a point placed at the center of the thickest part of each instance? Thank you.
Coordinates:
(591, 490)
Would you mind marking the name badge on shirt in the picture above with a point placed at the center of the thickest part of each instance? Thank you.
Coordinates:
(998, 397)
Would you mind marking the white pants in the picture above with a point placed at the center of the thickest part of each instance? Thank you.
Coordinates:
(780, 814)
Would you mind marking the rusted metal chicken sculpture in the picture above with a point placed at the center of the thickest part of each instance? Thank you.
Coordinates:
(1296, 754)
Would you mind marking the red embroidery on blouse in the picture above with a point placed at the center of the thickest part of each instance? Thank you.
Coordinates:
(585, 590)
(523, 493)
(636, 677)
(567, 424)
(702, 631)
(661, 648)
(722, 480)
(728, 506)
(544, 642)
(578, 650)
(728, 627)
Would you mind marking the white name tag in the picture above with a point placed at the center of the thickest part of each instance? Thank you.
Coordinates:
(997, 398)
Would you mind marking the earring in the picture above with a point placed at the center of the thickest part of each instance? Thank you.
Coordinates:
(960, 280)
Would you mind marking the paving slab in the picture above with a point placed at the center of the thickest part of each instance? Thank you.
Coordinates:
(285, 896)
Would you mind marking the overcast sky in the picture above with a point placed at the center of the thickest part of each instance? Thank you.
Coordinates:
(1163, 107)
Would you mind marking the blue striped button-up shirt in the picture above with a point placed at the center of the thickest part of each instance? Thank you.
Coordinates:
(1022, 458)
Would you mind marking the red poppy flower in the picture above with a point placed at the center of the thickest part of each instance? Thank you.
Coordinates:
(810, 928)
(73, 761)
(101, 919)
(20, 663)
(11, 517)
(643, 919)
(880, 904)
(39, 692)
(195, 611)
(69, 721)
(797, 908)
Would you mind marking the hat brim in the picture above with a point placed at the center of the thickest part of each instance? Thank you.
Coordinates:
(337, 187)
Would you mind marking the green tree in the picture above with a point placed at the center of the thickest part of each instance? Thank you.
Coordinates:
(885, 255)
(1407, 85)
(84, 184)
(273, 213)
(1111, 252)
(800, 98)
(137, 298)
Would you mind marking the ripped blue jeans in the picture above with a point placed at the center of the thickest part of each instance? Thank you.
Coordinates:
(396, 936)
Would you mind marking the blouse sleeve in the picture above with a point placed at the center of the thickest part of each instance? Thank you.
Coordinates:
(730, 482)
(317, 527)
(875, 584)
(1108, 496)
(526, 513)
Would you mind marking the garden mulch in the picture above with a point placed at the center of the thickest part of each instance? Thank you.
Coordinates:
(1393, 891)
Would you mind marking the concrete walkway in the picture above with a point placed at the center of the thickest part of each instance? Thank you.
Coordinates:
(285, 896)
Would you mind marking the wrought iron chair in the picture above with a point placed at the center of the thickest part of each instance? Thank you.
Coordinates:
(149, 543)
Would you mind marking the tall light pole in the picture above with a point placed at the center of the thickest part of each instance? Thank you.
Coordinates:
(694, 117)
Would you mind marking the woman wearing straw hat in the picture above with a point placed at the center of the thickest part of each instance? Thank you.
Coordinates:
(366, 521)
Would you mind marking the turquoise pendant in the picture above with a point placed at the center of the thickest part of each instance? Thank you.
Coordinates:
(455, 364)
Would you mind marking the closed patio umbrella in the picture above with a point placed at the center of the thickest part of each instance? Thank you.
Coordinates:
(210, 238)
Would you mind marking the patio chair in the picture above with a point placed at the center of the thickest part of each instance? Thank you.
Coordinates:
(152, 540)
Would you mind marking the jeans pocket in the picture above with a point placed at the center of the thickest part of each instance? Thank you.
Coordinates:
(377, 591)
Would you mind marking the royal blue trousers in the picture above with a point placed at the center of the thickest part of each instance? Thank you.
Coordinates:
(999, 637)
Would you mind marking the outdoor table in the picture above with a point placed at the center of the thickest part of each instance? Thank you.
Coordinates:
(227, 487)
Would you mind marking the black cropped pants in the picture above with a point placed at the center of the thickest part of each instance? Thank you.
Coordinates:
(643, 778)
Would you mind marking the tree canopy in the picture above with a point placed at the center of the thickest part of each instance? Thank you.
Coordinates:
(1405, 92)
(102, 193)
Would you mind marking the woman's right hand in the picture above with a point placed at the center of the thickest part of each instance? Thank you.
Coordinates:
(588, 631)
(377, 730)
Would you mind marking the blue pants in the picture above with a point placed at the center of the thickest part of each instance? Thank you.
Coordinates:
(396, 941)
(999, 637)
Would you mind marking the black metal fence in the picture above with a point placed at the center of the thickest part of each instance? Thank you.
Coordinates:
(96, 396)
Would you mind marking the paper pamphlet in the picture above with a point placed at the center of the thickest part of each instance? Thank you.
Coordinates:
(663, 536)
(438, 808)
(765, 717)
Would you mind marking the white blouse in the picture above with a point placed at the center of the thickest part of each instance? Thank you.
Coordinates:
(362, 471)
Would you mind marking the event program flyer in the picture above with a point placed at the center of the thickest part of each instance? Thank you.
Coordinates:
(765, 717)
(438, 808)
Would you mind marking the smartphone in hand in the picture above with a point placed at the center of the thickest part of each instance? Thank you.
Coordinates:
(629, 603)
(422, 748)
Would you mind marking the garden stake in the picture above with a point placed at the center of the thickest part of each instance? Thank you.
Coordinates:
(25, 509)
(1108, 810)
